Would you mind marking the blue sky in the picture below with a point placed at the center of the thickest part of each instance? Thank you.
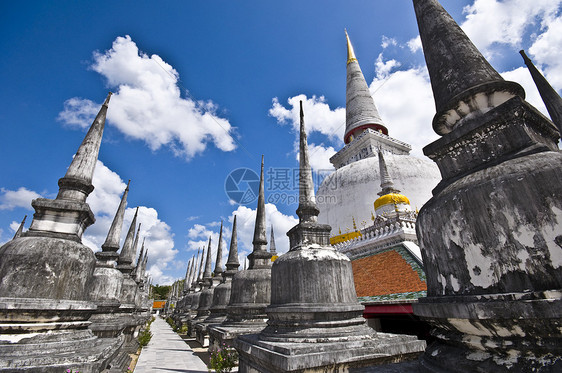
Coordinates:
(204, 88)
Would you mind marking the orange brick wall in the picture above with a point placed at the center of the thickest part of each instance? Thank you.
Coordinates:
(385, 273)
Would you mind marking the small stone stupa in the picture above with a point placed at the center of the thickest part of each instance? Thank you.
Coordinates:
(491, 235)
(201, 327)
(206, 297)
(272, 247)
(197, 287)
(45, 274)
(221, 296)
(315, 321)
(250, 289)
(105, 289)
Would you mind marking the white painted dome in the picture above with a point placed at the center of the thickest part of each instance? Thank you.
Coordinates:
(351, 191)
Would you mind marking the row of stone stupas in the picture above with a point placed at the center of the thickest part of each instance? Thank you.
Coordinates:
(62, 306)
(490, 238)
(304, 304)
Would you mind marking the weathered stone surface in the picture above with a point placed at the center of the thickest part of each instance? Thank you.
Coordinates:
(264, 356)
(491, 235)
(44, 267)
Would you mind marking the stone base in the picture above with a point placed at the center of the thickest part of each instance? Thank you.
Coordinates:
(220, 335)
(265, 356)
(515, 332)
(57, 351)
(201, 334)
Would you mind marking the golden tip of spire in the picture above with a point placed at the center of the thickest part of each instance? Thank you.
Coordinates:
(350, 52)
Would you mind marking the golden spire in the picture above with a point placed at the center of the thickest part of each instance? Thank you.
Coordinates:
(350, 52)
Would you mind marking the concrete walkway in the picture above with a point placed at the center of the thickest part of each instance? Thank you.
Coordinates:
(167, 353)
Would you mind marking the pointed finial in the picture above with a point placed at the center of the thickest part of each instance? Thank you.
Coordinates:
(144, 262)
(218, 261)
(136, 242)
(77, 182)
(127, 253)
(187, 274)
(207, 274)
(354, 225)
(111, 243)
(20, 228)
(200, 275)
(550, 97)
(272, 247)
(350, 52)
(307, 210)
(260, 240)
(196, 270)
(232, 263)
(387, 185)
(458, 71)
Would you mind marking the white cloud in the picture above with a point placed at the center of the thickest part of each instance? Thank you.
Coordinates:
(505, 22)
(547, 51)
(383, 68)
(405, 102)
(10, 199)
(522, 76)
(318, 117)
(78, 112)
(319, 156)
(148, 105)
(246, 220)
(414, 44)
(15, 225)
(386, 42)
(198, 234)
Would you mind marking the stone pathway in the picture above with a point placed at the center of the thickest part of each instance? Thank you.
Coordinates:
(167, 352)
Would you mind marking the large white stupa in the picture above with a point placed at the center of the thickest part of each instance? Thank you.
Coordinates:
(346, 197)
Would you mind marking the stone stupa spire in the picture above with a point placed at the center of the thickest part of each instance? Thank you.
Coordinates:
(144, 261)
(260, 257)
(188, 271)
(207, 275)
(68, 215)
(387, 185)
(200, 274)
(272, 247)
(195, 271)
(260, 240)
(550, 97)
(360, 110)
(20, 228)
(77, 182)
(111, 243)
(138, 267)
(464, 84)
(232, 263)
(218, 261)
(127, 252)
(307, 210)
(136, 242)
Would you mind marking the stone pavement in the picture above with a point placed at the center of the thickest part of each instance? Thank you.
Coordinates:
(167, 352)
